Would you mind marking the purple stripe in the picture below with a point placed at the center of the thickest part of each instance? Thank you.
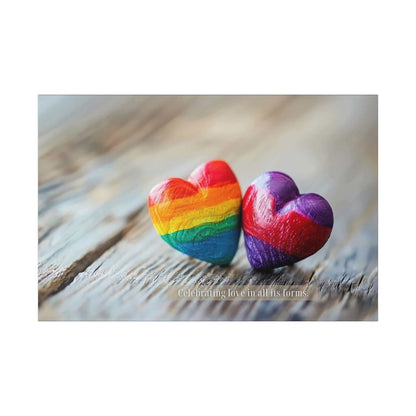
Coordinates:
(279, 185)
(312, 206)
(264, 256)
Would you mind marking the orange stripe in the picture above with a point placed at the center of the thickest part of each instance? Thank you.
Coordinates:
(203, 199)
(176, 188)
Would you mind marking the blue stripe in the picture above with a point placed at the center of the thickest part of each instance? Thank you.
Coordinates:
(218, 249)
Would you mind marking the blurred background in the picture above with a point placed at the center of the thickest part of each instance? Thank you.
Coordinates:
(99, 257)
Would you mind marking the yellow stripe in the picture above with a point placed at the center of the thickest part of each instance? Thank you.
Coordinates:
(195, 217)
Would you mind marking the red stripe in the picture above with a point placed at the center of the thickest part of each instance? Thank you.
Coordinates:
(169, 189)
(213, 174)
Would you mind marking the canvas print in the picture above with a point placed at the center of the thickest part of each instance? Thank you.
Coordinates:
(208, 208)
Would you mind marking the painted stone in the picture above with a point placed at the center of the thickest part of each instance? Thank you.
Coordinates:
(200, 217)
(280, 225)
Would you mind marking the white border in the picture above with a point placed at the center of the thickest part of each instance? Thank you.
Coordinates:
(216, 47)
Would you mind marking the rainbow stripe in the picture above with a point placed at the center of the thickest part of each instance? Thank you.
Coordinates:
(200, 218)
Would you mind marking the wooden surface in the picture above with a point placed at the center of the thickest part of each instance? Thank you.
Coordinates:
(99, 255)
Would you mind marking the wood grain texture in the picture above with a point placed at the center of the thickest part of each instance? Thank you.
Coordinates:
(99, 255)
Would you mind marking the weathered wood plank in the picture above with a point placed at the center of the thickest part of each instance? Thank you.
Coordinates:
(92, 205)
(99, 253)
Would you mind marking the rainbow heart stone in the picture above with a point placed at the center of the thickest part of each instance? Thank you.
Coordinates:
(200, 217)
(280, 225)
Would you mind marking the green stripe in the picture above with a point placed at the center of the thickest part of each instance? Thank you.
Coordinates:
(203, 232)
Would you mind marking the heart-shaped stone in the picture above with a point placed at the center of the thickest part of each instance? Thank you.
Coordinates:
(200, 217)
(281, 226)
